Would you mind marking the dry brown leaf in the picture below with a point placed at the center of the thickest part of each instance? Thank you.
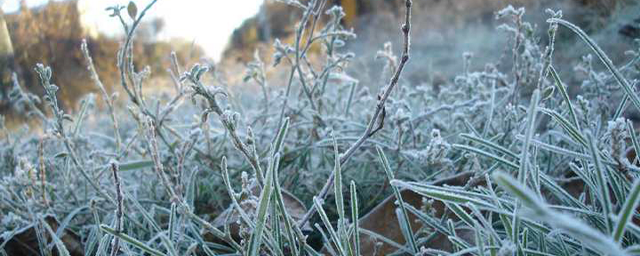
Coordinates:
(382, 220)
(295, 208)
(25, 242)
(575, 186)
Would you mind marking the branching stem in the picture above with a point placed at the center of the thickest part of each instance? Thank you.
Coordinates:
(377, 121)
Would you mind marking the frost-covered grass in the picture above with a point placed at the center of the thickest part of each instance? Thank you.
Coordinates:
(550, 173)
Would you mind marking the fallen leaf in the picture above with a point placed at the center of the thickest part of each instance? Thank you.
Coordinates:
(25, 243)
(382, 220)
(295, 208)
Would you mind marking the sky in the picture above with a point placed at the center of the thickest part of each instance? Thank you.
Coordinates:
(207, 22)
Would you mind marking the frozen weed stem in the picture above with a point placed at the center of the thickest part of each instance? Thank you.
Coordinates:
(115, 243)
(377, 121)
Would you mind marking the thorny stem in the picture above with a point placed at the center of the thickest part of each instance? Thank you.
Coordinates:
(378, 114)
(115, 243)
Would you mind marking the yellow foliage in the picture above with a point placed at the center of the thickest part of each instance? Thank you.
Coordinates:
(350, 8)
(51, 34)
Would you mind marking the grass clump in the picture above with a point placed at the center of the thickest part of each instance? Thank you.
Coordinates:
(504, 159)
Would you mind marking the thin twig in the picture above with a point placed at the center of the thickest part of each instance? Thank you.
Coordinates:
(374, 125)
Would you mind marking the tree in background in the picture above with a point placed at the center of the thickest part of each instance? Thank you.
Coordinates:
(51, 34)
(6, 63)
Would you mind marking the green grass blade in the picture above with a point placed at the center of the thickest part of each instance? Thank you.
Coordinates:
(601, 179)
(462, 214)
(333, 235)
(355, 218)
(571, 129)
(135, 242)
(441, 193)
(530, 128)
(489, 144)
(337, 187)
(628, 90)
(627, 211)
(634, 140)
(290, 226)
(589, 236)
(486, 154)
(282, 133)
(62, 249)
(404, 221)
(171, 248)
(172, 220)
(261, 213)
(565, 95)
